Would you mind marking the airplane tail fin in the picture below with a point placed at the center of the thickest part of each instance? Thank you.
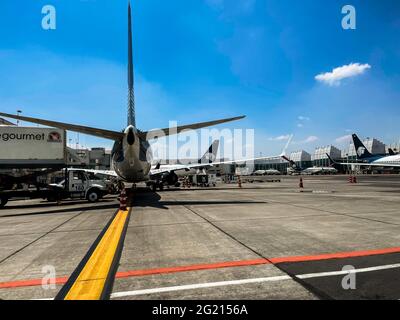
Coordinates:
(211, 154)
(292, 163)
(391, 152)
(286, 158)
(131, 90)
(361, 151)
(332, 163)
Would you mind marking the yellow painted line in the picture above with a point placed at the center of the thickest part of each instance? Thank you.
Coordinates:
(90, 282)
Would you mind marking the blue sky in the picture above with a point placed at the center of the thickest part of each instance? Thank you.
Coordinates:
(200, 60)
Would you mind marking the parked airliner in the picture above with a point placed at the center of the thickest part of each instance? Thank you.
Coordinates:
(370, 160)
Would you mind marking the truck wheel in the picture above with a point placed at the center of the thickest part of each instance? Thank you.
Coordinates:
(3, 201)
(93, 196)
(161, 186)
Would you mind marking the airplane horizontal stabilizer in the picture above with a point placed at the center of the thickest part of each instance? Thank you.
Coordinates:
(149, 135)
(107, 134)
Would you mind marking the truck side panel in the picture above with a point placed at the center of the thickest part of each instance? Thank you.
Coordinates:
(31, 147)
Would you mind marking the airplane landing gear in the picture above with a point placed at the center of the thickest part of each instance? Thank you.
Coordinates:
(156, 185)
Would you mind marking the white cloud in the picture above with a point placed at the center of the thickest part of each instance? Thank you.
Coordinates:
(302, 120)
(344, 139)
(338, 74)
(280, 138)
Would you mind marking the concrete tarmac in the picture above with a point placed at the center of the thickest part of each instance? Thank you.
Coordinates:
(264, 241)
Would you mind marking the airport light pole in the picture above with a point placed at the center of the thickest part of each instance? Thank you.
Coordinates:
(18, 114)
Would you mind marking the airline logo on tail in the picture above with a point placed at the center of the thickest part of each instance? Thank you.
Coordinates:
(361, 151)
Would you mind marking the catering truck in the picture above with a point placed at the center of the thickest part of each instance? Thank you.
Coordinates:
(29, 156)
(32, 147)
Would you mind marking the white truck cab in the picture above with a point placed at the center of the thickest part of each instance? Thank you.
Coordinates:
(82, 185)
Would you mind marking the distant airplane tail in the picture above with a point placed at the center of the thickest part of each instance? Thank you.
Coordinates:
(292, 163)
(332, 163)
(287, 159)
(211, 154)
(361, 151)
(391, 152)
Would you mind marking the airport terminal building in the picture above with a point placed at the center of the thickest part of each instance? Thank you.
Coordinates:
(319, 157)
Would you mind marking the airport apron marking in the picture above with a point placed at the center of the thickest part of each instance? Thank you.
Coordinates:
(244, 281)
(231, 264)
(248, 281)
(94, 277)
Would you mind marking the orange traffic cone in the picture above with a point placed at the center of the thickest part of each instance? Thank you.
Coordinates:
(351, 179)
(123, 200)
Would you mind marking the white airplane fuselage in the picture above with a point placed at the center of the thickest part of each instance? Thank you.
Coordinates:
(131, 157)
(395, 160)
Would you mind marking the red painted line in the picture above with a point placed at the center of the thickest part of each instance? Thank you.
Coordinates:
(29, 283)
(231, 264)
(213, 266)
(340, 255)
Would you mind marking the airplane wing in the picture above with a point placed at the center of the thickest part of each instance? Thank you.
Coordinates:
(4, 122)
(109, 173)
(379, 165)
(242, 161)
(107, 134)
(173, 168)
(149, 135)
(204, 162)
